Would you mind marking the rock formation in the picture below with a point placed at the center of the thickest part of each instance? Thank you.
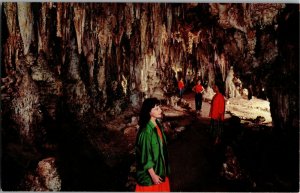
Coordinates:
(97, 59)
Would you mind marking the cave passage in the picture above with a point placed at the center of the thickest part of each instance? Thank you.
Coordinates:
(74, 76)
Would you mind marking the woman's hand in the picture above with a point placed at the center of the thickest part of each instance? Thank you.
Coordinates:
(155, 178)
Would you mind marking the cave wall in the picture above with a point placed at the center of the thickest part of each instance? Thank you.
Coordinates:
(104, 57)
(283, 76)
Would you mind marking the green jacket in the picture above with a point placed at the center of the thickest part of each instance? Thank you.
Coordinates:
(151, 153)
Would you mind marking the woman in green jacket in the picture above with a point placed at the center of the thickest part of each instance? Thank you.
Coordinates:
(151, 150)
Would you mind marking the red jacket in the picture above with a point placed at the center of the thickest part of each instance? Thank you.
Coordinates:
(180, 85)
(217, 108)
(198, 88)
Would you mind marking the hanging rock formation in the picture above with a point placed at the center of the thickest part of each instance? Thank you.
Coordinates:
(100, 58)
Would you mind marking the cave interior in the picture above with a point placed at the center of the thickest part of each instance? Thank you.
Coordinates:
(74, 76)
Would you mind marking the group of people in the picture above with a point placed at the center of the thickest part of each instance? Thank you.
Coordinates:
(153, 170)
(198, 89)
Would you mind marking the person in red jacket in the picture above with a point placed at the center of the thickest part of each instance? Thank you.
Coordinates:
(180, 87)
(217, 111)
(198, 89)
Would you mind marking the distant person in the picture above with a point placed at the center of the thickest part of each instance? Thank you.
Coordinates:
(217, 111)
(188, 80)
(198, 89)
(250, 92)
(151, 150)
(180, 87)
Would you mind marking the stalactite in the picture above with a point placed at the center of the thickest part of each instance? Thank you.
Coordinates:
(129, 18)
(143, 30)
(169, 20)
(25, 18)
(265, 14)
(105, 34)
(73, 72)
(100, 76)
(157, 31)
(193, 39)
(111, 23)
(161, 39)
(43, 33)
(220, 63)
(101, 36)
(59, 14)
(211, 74)
(90, 40)
(79, 22)
(164, 47)
(78, 99)
(251, 38)
(236, 19)
(247, 14)
(10, 10)
(119, 36)
(66, 25)
(240, 41)
(118, 62)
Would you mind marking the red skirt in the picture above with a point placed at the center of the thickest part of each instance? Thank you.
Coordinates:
(163, 187)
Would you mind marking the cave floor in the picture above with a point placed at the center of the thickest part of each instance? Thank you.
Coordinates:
(194, 160)
(269, 162)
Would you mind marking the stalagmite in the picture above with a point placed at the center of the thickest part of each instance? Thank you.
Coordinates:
(26, 108)
(230, 88)
(94, 61)
(45, 177)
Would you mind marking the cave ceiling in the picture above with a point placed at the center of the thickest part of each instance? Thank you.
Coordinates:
(104, 56)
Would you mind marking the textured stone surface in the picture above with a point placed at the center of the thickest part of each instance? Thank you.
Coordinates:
(94, 61)
(44, 178)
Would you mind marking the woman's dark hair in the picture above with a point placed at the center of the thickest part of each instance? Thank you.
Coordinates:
(148, 104)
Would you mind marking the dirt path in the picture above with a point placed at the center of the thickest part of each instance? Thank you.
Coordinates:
(270, 160)
(193, 158)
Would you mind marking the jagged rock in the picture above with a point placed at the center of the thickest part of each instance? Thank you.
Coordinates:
(158, 93)
(26, 108)
(230, 87)
(44, 178)
(260, 119)
(134, 121)
(130, 133)
(93, 50)
(135, 99)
